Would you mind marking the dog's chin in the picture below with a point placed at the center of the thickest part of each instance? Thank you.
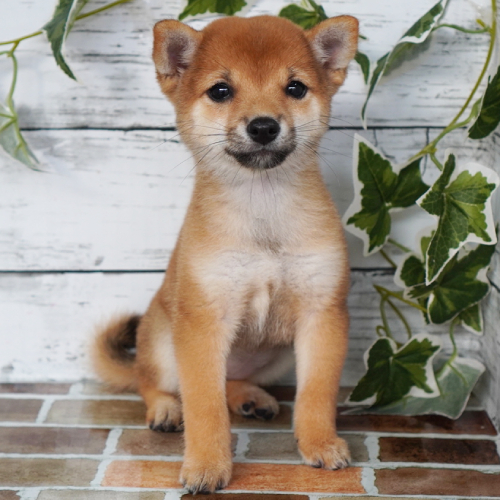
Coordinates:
(263, 159)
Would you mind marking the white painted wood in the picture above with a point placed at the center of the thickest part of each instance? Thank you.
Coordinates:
(110, 54)
(48, 319)
(489, 384)
(116, 200)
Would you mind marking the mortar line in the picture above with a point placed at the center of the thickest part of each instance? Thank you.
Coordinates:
(76, 389)
(29, 493)
(74, 397)
(99, 475)
(112, 441)
(241, 446)
(373, 446)
(486, 468)
(180, 491)
(173, 495)
(429, 435)
(44, 410)
(368, 480)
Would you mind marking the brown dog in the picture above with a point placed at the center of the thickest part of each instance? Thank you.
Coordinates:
(260, 264)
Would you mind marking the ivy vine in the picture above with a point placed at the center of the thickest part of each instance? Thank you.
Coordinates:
(66, 13)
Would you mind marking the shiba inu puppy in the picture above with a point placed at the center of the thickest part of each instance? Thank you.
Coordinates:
(260, 270)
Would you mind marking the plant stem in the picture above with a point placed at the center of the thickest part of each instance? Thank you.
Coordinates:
(383, 315)
(388, 259)
(399, 245)
(431, 147)
(81, 16)
(400, 297)
(17, 40)
(6, 125)
(464, 30)
(436, 161)
(454, 354)
(401, 317)
(10, 95)
(101, 9)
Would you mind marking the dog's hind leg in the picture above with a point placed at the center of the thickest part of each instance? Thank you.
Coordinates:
(245, 398)
(157, 370)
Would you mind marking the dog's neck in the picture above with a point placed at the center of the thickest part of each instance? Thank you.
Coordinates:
(268, 208)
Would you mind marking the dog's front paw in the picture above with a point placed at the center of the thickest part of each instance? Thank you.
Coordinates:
(328, 454)
(205, 476)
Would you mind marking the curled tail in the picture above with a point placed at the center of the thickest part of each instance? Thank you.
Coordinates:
(113, 352)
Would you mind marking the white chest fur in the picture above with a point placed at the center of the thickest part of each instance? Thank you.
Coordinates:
(276, 255)
(245, 283)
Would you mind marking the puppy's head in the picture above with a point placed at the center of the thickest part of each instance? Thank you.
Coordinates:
(254, 91)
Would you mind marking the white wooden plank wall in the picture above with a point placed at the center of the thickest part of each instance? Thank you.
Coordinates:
(92, 235)
(488, 388)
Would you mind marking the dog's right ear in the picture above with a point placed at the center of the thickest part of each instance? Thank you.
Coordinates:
(173, 50)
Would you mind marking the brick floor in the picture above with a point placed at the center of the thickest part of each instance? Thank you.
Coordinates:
(81, 442)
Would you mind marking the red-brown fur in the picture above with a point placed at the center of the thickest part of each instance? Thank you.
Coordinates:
(261, 263)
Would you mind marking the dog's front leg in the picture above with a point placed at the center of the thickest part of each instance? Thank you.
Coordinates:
(320, 345)
(202, 342)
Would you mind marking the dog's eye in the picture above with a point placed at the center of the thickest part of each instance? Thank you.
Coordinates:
(296, 89)
(219, 92)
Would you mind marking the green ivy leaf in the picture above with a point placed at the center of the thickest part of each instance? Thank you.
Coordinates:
(405, 48)
(379, 189)
(376, 76)
(411, 273)
(364, 64)
(457, 290)
(456, 379)
(12, 140)
(227, 7)
(59, 26)
(462, 202)
(306, 18)
(472, 319)
(393, 373)
(489, 116)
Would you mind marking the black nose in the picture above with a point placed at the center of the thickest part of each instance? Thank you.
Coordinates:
(263, 130)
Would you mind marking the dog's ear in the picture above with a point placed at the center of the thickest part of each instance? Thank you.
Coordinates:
(173, 50)
(335, 42)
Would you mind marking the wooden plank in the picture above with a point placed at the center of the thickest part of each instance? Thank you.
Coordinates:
(116, 200)
(489, 383)
(110, 54)
(63, 309)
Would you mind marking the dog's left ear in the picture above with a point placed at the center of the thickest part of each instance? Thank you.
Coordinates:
(335, 42)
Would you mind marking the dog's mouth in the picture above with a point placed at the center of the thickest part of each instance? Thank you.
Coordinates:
(261, 159)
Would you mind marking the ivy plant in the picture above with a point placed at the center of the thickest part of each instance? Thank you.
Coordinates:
(447, 281)
(227, 7)
(66, 13)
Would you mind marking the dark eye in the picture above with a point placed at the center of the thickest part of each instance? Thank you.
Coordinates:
(296, 89)
(219, 92)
